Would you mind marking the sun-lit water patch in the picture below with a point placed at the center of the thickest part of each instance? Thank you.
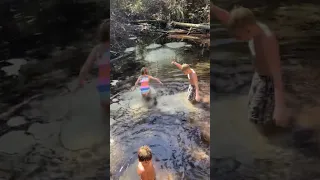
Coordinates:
(161, 55)
(114, 82)
(15, 67)
(153, 46)
(130, 49)
(133, 38)
(176, 45)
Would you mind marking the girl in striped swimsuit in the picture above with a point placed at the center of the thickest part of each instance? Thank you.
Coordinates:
(101, 54)
(144, 79)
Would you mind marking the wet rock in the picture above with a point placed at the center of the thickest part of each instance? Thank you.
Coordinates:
(35, 67)
(31, 170)
(5, 166)
(224, 166)
(64, 55)
(82, 133)
(15, 66)
(32, 113)
(175, 45)
(57, 108)
(130, 49)
(153, 46)
(5, 175)
(44, 131)
(205, 133)
(15, 142)
(16, 121)
(112, 121)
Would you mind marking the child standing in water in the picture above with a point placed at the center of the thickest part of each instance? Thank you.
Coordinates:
(266, 96)
(101, 54)
(144, 79)
(193, 90)
(145, 168)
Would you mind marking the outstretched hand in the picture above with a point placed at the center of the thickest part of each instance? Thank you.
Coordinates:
(133, 88)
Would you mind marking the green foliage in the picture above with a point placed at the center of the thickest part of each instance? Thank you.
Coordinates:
(177, 10)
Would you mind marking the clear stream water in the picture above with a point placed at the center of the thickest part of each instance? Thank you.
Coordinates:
(172, 127)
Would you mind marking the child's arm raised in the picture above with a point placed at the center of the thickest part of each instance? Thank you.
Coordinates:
(221, 14)
(156, 79)
(87, 65)
(177, 64)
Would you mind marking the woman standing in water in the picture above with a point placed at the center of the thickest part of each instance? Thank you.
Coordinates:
(101, 54)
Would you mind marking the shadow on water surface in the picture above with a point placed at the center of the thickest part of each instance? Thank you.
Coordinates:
(241, 151)
(174, 128)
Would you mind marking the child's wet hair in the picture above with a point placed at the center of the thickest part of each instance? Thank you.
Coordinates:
(104, 31)
(240, 17)
(144, 153)
(144, 71)
(185, 67)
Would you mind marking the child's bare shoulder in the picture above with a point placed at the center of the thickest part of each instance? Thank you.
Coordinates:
(140, 169)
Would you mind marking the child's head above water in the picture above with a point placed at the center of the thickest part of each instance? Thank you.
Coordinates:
(104, 31)
(144, 71)
(144, 155)
(242, 23)
(185, 68)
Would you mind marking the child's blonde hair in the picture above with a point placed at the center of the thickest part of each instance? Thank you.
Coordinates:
(144, 71)
(104, 31)
(144, 153)
(240, 17)
(185, 67)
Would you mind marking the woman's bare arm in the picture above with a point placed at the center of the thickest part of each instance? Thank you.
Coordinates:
(221, 14)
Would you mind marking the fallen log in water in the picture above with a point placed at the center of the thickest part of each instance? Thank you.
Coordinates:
(174, 23)
(121, 57)
(178, 31)
(148, 21)
(190, 25)
(202, 39)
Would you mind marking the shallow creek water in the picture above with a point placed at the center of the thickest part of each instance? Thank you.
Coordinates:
(172, 128)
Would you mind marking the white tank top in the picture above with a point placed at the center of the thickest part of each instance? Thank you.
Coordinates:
(266, 30)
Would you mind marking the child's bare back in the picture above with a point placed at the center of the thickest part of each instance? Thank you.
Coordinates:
(146, 173)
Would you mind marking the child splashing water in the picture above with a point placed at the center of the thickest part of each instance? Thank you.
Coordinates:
(101, 54)
(193, 90)
(144, 79)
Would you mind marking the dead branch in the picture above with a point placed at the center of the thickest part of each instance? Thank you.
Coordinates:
(12, 110)
(121, 57)
(174, 23)
(190, 25)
